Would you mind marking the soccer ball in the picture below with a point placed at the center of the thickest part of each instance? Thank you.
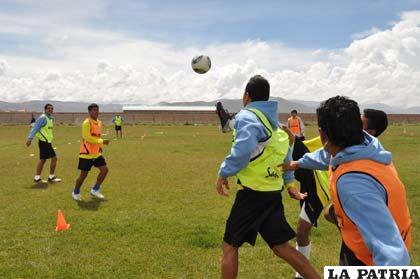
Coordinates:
(201, 64)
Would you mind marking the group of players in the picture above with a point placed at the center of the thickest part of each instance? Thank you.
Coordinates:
(361, 192)
(90, 151)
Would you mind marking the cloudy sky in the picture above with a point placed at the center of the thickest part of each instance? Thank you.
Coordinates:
(132, 51)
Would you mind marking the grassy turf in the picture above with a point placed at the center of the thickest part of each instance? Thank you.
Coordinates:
(162, 217)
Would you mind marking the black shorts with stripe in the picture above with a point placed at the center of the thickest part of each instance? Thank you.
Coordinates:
(46, 151)
(256, 212)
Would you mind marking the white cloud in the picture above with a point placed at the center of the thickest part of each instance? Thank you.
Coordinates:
(4, 66)
(92, 65)
(365, 34)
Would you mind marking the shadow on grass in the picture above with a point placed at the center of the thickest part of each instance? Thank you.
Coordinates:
(92, 204)
(43, 185)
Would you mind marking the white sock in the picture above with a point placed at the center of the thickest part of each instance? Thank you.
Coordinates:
(51, 175)
(37, 177)
(306, 251)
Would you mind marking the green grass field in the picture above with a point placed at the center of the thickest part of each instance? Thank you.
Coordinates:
(162, 217)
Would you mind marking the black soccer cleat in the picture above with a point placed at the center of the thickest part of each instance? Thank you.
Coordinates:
(223, 117)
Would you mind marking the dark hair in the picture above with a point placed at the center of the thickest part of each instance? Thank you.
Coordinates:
(339, 118)
(258, 88)
(294, 111)
(377, 120)
(91, 106)
(47, 105)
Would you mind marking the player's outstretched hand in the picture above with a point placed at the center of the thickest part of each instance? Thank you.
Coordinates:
(292, 166)
(106, 142)
(295, 194)
(222, 185)
(28, 142)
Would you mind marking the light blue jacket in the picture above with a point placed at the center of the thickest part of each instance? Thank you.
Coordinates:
(249, 131)
(364, 200)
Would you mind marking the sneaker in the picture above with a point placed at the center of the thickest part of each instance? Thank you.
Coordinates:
(76, 197)
(223, 117)
(54, 179)
(97, 195)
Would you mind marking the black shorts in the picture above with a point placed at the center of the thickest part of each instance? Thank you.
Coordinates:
(46, 151)
(313, 205)
(308, 180)
(257, 212)
(86, 164)
(118, 128)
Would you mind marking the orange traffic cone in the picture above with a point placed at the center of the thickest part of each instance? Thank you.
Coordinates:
(61, 222)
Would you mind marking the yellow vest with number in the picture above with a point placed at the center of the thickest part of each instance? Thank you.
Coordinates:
(262, 172)
(46, 132)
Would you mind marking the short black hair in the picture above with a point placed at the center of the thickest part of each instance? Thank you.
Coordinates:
(258, 88)
(47, 105)
(294, 111)
(91, 106)
(377, 120)
(339, 118)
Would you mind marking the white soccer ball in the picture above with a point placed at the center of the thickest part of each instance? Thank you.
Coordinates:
(201, 64)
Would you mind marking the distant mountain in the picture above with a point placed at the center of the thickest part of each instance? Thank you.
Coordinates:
(414, 110)
(389, 109)
(59, 106)
(233, 105)
(312, 104)
(285, 106)
(380, 106)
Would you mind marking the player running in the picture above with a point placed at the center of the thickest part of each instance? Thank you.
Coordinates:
(259, 146)
(91, 154)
